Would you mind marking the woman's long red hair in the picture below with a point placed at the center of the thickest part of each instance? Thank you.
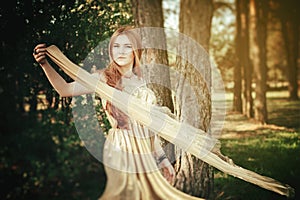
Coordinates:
(113, 75)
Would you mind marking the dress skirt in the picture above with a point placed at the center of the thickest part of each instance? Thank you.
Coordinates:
(131, 169)
(129, 161)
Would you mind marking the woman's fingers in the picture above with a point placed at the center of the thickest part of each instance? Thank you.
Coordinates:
(40, 46)
(39, 53)
(40, 58)
(169, 173)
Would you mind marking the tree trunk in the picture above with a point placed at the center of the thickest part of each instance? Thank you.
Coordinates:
(237, 89)
(242, 47)
(155, 66)
(290, 32)
(237, 75)
(193, 101)
(258, 12)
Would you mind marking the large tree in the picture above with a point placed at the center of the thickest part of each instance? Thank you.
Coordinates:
(193, 101)
(149, 13)
(148, 16)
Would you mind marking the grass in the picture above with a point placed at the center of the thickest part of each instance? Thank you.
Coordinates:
(67, 171)
(272, 150)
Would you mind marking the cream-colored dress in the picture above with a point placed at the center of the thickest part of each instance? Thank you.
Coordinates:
(131, 170)
(129, 157)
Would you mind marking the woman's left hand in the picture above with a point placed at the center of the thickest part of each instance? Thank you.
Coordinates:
(168, 170)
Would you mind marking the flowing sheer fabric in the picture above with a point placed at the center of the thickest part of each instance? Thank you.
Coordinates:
(190, 139)
(129, 157)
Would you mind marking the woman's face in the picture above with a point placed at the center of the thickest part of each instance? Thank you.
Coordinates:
(122, 51)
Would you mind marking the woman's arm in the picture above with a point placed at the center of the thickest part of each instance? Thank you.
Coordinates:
(63, 88)
(163, 161)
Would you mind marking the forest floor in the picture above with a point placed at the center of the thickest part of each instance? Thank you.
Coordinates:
(272, 150)
(54, 165)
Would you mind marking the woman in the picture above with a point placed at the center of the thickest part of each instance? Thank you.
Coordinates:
(132, 155)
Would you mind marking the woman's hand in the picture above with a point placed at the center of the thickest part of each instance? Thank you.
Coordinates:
(168, 170)
(39, 53)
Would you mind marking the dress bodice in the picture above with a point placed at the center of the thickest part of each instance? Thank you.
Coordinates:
(136, 87)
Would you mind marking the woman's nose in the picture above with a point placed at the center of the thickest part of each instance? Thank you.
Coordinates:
(122, 50)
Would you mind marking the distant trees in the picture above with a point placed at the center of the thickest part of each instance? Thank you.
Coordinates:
(253, 22)
(242, 48)
(289, 16)
(251, 36)
(258, 37)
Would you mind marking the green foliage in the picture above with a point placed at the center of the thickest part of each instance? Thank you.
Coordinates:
(76, 27)
(42, 155)
(47, 161)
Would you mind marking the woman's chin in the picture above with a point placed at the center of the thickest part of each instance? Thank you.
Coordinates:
(122, 63)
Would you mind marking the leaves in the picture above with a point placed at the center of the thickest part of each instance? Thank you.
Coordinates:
(42, 156)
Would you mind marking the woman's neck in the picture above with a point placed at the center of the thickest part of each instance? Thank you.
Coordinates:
(126, 71)
(127, 74)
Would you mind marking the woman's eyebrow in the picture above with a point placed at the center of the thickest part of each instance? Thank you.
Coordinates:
(122, 44)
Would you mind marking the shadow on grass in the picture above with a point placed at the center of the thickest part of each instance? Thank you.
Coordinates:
(283, 112)
(272, 150)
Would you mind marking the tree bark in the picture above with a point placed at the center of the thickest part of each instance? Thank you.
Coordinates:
(242, 50)
(290, 32)
(155, 66)
(193, 101)
(237, 75)
(258, 12)
(148, 13)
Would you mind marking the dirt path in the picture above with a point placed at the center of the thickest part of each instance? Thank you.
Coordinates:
(238, 126)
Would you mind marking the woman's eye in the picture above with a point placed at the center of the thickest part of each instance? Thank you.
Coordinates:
(129, 46)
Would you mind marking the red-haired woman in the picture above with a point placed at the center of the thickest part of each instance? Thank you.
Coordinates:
(133, 157)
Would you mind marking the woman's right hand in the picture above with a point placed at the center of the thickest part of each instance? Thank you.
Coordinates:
(39, 53)
(168, 170)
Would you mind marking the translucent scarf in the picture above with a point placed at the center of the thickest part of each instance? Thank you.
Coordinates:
(189, 138)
